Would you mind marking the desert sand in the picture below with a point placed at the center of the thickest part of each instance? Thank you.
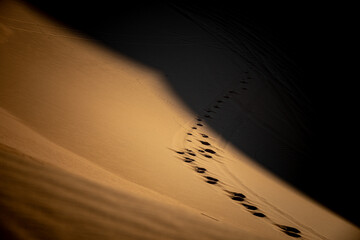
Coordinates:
(95, 145)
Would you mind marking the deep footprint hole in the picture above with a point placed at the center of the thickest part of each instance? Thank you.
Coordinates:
(205, 143)
(258, 214)
(210, 151)
(211, 182)
(239, 199)
(292, 234)
(200, 170)
(236, 194)
(289, 229)
(250, 207)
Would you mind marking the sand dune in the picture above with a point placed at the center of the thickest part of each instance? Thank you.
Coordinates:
(95, 145)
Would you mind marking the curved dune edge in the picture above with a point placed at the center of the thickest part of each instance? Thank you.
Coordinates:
(100, 147)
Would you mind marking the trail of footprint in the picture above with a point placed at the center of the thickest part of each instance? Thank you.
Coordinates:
(235, 196)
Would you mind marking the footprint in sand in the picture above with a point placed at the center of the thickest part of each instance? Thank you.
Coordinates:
(188, 160)
(204, 135)
(220, 101)
(199, 124)
(259, 214)
(194, 127)
(189, 133)
(210, 151)
(207, 156)
(238, 199)
(204, 143)
(216, 106)
(199, 119)
(291, 231)
(200, 169)
(250, 207)
(236, 196)
(208, 116)
(211, 180)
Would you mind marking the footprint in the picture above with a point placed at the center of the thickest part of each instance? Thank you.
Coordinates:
(239, 199)
(204, 135)
(208, 116)
(292, 234)
(211, 180)
(189, 133)
(191, 154)
(259, 214)
(216, 106)
(199, 124)
(288, 229)
(250, 207)
(205, 143)
(220, 101)
(179, 152)
(200, 169)
(199, 119)
(208, 156)
(202, 151)
(226, 96)
(235, 194)
(188, 140)
(194, 127)
(210, 151)
(188, 160)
